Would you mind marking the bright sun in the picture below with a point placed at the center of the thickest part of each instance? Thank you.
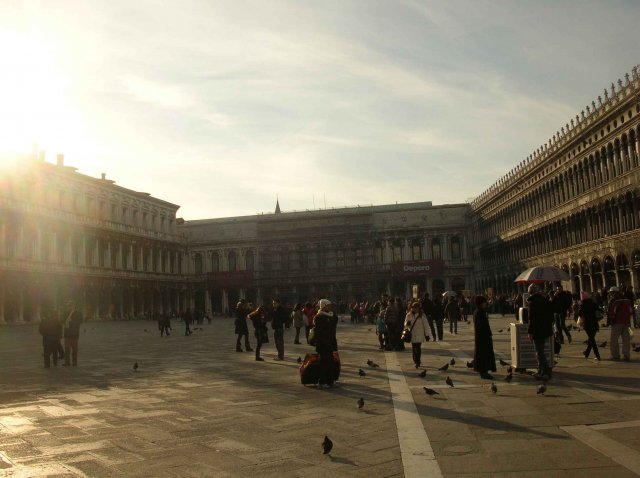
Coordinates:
(35, 109)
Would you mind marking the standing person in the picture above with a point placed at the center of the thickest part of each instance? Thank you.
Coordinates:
(392, 322)
(307, 316)
(381, 328)
(589, 322)
(259, 320)
(438, 316)
(298, 321)
(416, 321)
(187, 317)
(325, 323)
(540, 328)
(517, 303)
(241, 327)
(51, 331)
(427, 308)
(484, 360)
(71, 334)
(452, 313)
(164, 324)
(619, 317)
(278, 318)
(561, 306)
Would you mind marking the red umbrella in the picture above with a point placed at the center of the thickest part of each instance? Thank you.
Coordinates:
(542, 274)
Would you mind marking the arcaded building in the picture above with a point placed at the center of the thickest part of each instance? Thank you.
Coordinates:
(353, 253)
(574, 203)
(65, 235)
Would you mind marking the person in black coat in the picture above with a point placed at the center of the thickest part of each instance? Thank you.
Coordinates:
(51, 331)
(241, 326)
(279, 318)
(484, 359)
(259, 320)
(587, 316)
(187, 318)
(71, 329)
(438, 316)
(427, 308)
(540, 328)
(325, 324)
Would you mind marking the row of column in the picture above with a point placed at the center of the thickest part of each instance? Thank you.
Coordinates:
(445, 243)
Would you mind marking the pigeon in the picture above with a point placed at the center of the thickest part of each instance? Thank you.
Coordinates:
(470, 364)
(444, 368)
(327, 445)
(369, 330)
(449, 382)
(146, 330)
(503, 363)
(452, 362)
(508, 378)
(636, 349)
(541, 389)
(430, 391)
(361, 372)
(508, 329)
(423, 374)
(372, 364)
(603, 344)
(360, 402)
(494, 388)
(299, 360)
(509, 370)
(500, 331)
(135, 367)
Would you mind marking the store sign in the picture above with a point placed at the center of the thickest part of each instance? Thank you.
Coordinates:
(417, 268)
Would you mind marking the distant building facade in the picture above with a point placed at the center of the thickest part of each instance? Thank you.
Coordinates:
(574, 203)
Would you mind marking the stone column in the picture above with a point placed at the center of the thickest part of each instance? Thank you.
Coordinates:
(427, 247)
(225, 301)
(20, 242)
(20, 318)
(405, 249)
(37, 306)
(3, 243)
(83, 252)
(387, 252)
(37, 253)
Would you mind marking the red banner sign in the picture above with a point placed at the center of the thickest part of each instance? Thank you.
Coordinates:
(417, 268)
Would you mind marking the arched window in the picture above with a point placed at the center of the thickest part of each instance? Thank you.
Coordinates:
(197, 261)
(215, 262)
(232, 261)
(416, 249)
(455, 248)
(378, 253)
(436, 253)
(249, 260)
(397, 250)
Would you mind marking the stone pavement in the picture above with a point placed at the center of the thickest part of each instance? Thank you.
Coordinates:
(196, 407)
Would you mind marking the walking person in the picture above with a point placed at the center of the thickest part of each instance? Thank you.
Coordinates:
(484, 359)
(393, 325)
(71, 332)
(187, 318)
(381, 328)
(427, 308)
(416, 321)
(540, 328)
(51, 332)
(241, 327)
(589, 322)
(278, 318)
(164, 324)
(438, 316)
(452, 313)
(561, 306)
(258, 319)
(619, 318)
(307, 316)
(325, 323)
(298, 321)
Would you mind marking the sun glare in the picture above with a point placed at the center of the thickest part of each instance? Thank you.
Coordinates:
(35, 106)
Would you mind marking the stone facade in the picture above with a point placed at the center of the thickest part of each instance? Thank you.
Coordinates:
(574, 203)
(66, 235)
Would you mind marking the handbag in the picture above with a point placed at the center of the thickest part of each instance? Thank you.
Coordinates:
(406, 333)
(312, 336)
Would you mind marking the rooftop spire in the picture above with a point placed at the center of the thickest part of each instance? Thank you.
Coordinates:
(277, 206)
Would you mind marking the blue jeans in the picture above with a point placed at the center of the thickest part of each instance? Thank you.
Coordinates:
(278, 337)
(453, 325)
(543, 365)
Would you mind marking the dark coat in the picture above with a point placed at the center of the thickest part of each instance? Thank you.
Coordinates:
(50, 329)
(241, 321)
(72, 323)
(483, 359)
(540, 317)
(325, 331)
(587, 311)
(278, 317)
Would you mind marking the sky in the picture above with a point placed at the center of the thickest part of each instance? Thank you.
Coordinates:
(223, 106)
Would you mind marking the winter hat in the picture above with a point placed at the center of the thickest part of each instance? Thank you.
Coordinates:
(323, 303)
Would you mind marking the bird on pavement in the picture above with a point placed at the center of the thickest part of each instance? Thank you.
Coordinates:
(469, 364)
(448, 381)
(541, 389)
(452, 362)
(327, 445)
(503, 363)
(372, 364)
(423, 374)
(508, 378)
(509, 370)
(430, 391)
(135, 367)
(603, 344)
(636, 349)
(299, 360)
(494, 388)
(360, 402)
(444, 368)
(361, 372)
(500, 331)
